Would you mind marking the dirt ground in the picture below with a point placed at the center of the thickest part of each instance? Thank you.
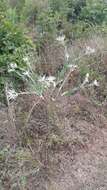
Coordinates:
(71, 154)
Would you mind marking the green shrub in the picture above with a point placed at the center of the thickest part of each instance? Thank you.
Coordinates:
(3, 9)
(49, 16)
(31, 9)
(12, 15)
(14, 47)
(46, 22)
(95, 12)
(75, 8)
(59, 6)
(80, 15)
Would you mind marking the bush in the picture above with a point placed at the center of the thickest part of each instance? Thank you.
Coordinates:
(30, 10)
(3, 9)
(75, 8)
(14, 47)
(50, 16)
(95, 12)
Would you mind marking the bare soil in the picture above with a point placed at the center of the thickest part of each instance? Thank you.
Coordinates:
(62, 147)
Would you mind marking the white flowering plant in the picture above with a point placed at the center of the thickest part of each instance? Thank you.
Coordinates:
(14, 47)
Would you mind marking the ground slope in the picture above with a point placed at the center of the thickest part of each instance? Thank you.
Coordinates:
(70, 154)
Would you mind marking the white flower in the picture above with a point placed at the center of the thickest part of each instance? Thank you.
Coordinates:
(51, 80)
(10, 70)
(26, 73)
(42, 79)
(66, 54)
(89, 50)
(95, 83)
(61, 39)
(47, 81)
(12, 67)
(86, 80)
(12, 94)
(72, 66)
(25, 59)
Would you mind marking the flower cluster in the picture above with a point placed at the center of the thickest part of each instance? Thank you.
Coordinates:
(47, 81)
(12, 94)
(61, 39)
(86, 81)
(12, 67)
(89, 50)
